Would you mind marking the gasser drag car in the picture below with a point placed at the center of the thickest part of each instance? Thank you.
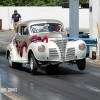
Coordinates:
(44, 43)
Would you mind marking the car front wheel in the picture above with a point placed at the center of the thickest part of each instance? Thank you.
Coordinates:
(81, 64)
(33, 64)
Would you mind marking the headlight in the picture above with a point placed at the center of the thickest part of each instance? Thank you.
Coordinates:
(82, 46)
(41, 48)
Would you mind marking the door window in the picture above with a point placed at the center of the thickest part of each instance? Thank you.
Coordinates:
(23, 30)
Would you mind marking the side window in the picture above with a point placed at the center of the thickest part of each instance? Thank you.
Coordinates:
(23, 30)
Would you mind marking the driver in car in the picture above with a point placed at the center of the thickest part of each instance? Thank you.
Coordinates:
(50, 28)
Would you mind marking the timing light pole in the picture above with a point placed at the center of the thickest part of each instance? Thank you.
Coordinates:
(74, 18)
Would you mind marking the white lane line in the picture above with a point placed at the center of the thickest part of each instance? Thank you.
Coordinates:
(95, 74)
(4, 42)
(2, 58)
(93, 88)
(2, 65)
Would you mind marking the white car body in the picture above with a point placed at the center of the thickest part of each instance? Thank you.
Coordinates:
(57, 50)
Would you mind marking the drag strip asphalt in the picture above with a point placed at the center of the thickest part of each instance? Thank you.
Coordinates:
(64, 83)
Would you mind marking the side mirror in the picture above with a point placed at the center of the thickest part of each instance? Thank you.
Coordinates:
(65, 30)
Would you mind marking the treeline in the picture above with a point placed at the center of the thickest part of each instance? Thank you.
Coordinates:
(35, 2)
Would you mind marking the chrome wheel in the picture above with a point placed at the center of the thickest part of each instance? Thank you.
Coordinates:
(31, 64)
(9, 60)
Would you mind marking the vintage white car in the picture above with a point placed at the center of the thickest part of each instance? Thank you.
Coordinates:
(44, 43)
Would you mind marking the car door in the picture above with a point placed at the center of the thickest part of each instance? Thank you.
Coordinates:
(23, 41)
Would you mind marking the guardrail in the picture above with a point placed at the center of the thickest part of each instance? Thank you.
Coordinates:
(88, 41)
(0, 89)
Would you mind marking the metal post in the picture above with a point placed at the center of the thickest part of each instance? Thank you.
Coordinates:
(9, 18)
(99, 29)
(74, 18)
(0, 89)
(0, 24)
(93, 28)
(97, 49)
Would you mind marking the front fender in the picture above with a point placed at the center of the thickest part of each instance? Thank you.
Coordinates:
(42, 56)
(79, 54)
(38, 55)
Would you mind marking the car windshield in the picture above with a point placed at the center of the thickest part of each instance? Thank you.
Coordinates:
(47, 27)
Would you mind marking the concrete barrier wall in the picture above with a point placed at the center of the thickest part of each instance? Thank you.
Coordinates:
(30, 13)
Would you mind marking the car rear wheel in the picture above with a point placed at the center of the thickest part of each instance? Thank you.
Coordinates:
(13, 64)
(33, 64)
(81, 64)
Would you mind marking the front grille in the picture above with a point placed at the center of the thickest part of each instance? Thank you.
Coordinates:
(53, 52)
(70, 52)
(62, 47)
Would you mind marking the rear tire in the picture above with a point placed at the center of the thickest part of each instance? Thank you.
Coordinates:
(81, 64)
(13, 64)
(33, 64)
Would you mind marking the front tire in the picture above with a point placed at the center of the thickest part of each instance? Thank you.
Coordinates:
(33, 64)
(81, 64)
(13, 64)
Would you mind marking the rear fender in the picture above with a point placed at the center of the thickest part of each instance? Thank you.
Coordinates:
(12, 50)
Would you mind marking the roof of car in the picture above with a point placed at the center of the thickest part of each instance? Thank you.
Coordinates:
(40, 21)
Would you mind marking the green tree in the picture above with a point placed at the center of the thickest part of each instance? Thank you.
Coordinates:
(83, 1)
(7, 3)
(36, 2)
(39, 2)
